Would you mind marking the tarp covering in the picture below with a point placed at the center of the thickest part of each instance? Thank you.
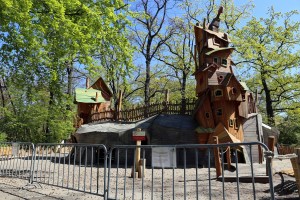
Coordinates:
(88, 96)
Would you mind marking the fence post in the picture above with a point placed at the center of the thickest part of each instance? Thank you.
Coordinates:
(271, 144)
(217, 157)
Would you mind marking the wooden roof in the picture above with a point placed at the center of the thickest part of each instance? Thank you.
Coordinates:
(100, 84)
(88, 96)
(220, 35)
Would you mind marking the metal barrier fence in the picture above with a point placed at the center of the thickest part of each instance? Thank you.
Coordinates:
(175, 172)
(166, 172)
(80, 167)
(16, 159)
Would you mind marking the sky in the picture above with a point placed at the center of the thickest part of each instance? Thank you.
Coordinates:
(262, 6)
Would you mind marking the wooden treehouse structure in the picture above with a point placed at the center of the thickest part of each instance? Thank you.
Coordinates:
(92, 99)
(224, 103)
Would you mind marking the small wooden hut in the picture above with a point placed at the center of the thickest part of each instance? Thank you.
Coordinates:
(94, 98)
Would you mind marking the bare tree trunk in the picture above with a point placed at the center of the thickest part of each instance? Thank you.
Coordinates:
(269, 107)
(147, 88)
(70, 71)
(5, 85)
(2, 93)
(183, 94)
(50, 104)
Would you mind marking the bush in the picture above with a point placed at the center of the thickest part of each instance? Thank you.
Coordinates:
(3, 137)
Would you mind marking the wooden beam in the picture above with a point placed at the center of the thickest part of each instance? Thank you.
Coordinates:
(228, 157)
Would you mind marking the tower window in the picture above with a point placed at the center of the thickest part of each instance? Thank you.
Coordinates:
(218, 93)
(220, 78)
(217, 41)
(216, 60)
(243, 97)
(236, 124)
(233, 90)
(231, 122)
(224, 61)
(207, 115)
(219, 112)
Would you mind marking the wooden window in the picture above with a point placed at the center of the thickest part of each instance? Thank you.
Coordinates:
(218, 93)
(219, 112)
(207, 115)
(231, 122)
(243, 97)
(217, 41)
(216, 60)
(220, 78)
(233, 90)
(224, 61)
(236, 124)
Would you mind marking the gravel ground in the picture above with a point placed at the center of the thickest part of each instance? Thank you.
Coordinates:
(197, 184)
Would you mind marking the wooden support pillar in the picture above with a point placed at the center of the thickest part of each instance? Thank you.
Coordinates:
(228, 158)
(217, 157)
(138, 170)
(119, 105)
(271, 144)
(137, 153)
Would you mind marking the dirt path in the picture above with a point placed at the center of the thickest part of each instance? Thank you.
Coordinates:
(13, 188)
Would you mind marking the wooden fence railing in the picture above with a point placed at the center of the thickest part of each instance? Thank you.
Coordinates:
(142, 112)
(285, 149)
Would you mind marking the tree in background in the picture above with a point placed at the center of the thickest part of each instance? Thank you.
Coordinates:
(268, 51)
(41, 43)
(178, 52)
(150, 34)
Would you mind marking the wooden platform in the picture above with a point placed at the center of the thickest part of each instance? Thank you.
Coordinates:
(245, 179)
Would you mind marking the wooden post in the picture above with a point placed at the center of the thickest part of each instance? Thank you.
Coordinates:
(119, 105)
(228, 157)
(217, 157)
(87, 83)
(96, 98)
(271, 144)
(139, 164)
(137, 154)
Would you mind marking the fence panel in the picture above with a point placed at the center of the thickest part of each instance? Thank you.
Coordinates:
(80, 167)
(176, 172)
(16, 159)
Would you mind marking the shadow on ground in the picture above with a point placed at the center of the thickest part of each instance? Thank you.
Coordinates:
(287, 190)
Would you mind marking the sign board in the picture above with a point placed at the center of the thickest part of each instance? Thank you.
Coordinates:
(15, 149)
(164, 157)
(138, 135)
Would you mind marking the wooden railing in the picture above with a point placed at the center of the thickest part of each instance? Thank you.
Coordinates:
(285, 149)
(142, 112)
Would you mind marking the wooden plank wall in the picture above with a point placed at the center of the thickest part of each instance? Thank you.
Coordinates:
(251, 134)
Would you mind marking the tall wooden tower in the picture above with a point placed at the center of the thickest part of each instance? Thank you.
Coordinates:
(223, 101)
